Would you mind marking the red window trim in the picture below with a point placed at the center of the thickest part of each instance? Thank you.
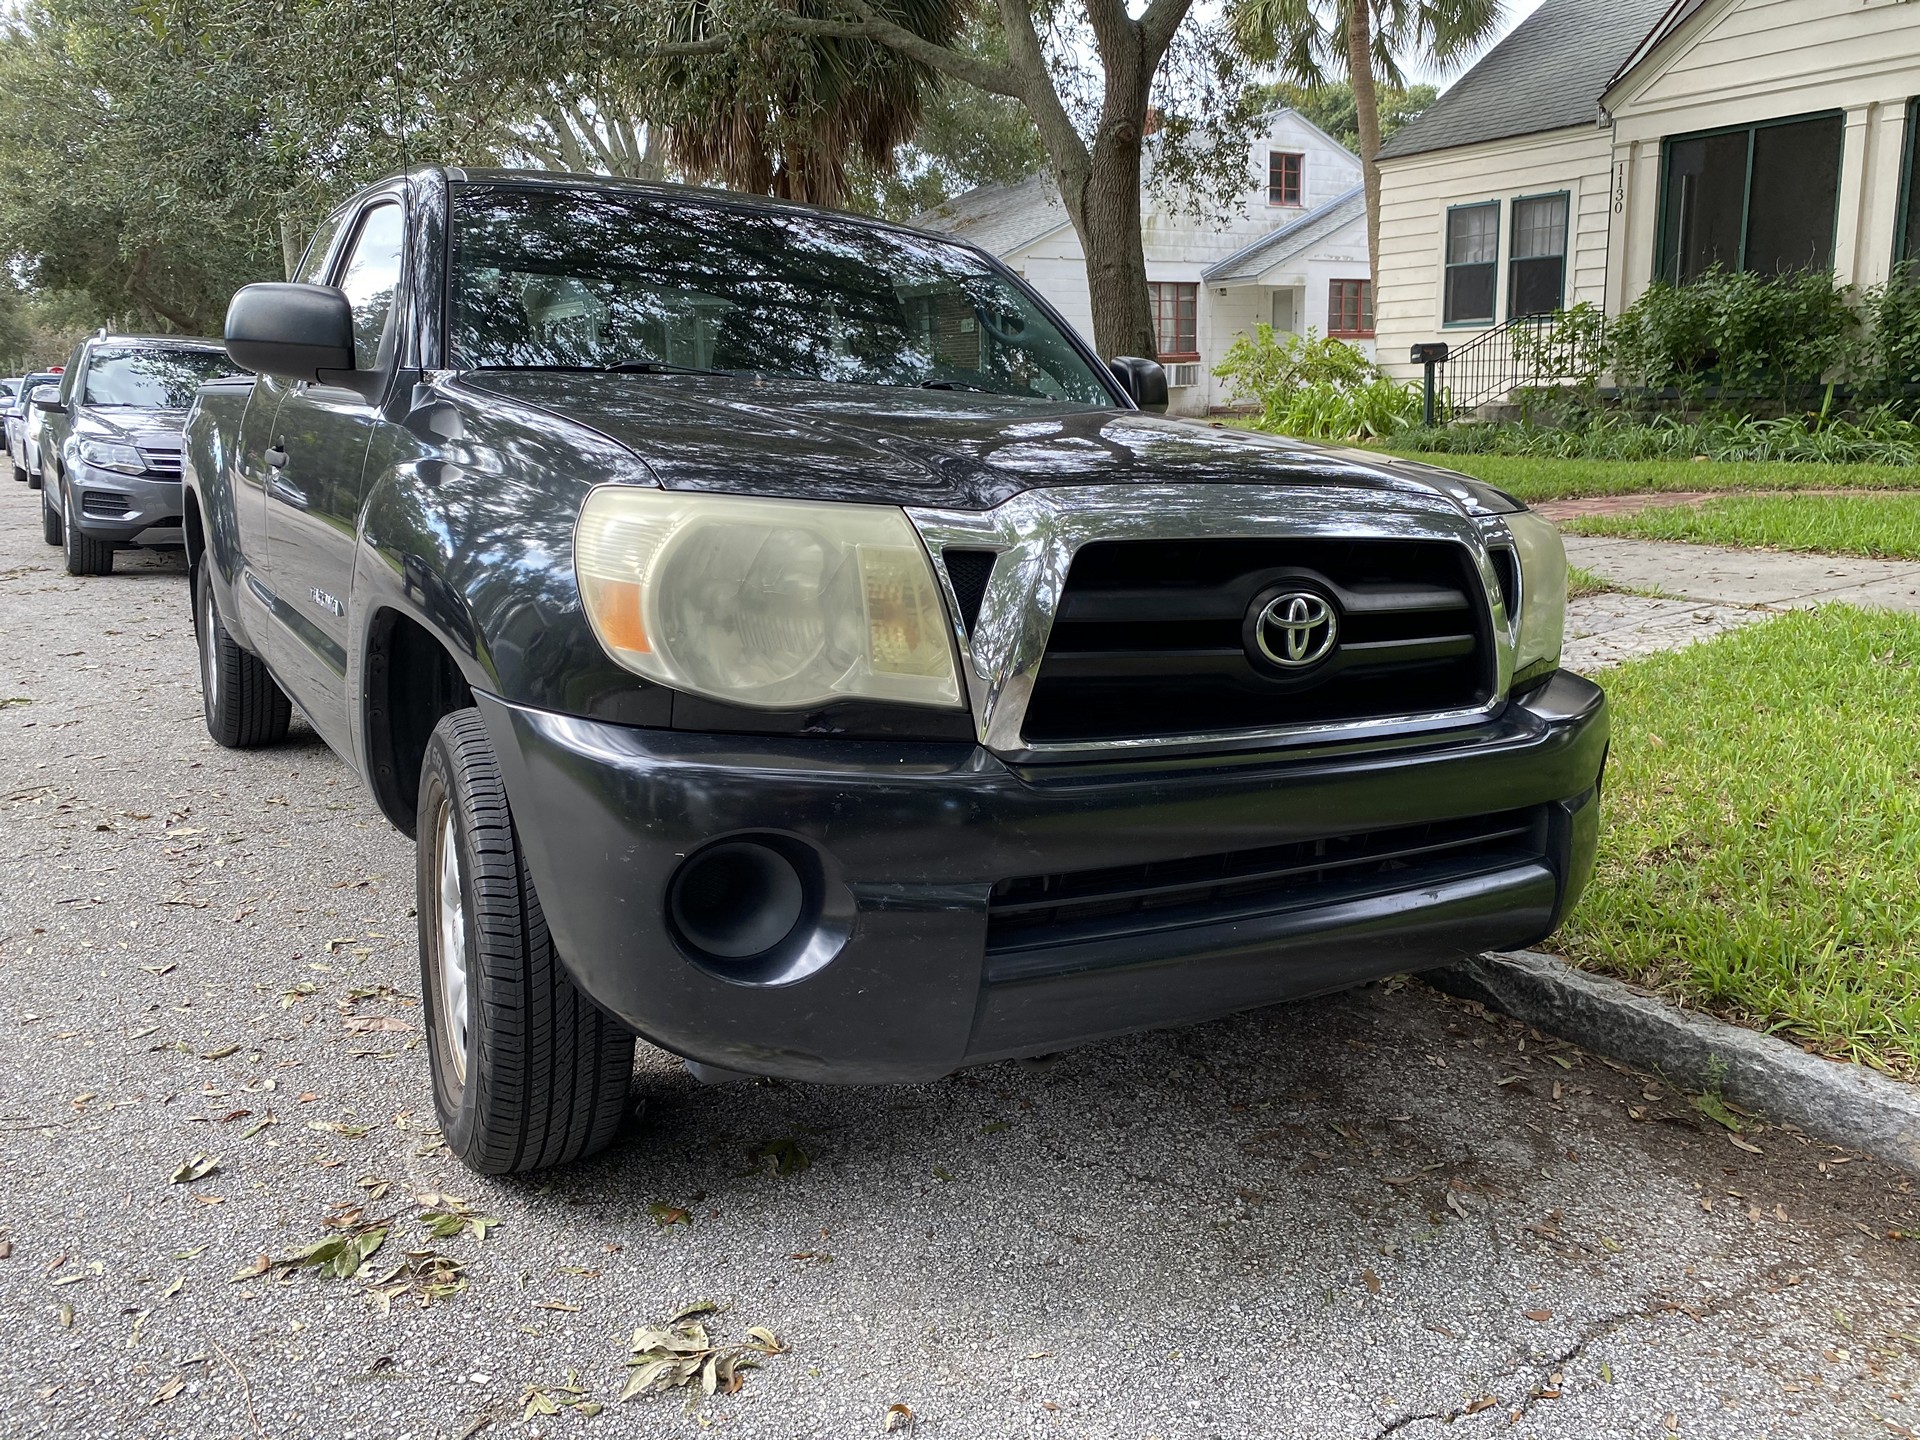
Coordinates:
(1334, 331)
(1299, 200)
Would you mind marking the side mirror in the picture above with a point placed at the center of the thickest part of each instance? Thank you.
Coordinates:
(46, 397)
(292, 332)
(1144, 380)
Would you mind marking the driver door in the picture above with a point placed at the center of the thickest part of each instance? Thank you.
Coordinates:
(316, 478)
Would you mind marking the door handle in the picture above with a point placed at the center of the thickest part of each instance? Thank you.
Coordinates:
(277, 456)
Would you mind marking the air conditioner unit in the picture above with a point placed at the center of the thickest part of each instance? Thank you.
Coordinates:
(1187, 374)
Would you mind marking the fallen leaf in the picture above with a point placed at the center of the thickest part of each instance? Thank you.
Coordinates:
(195, 1167)
(167, 1391)
(1539, 1317)
(898, 1417)
(222, 1053)
(664, 1214)
(366, 1024)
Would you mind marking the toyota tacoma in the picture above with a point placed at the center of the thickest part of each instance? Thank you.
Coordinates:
(787, 642)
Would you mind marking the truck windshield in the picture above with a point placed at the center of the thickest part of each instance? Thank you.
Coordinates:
(151, 378)
(593, 279)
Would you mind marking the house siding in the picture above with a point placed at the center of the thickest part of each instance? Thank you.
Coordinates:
(1731, 63)
(1741, 61)
(1418, 190)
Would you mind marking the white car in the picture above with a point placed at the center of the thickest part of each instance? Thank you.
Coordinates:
(23, 429)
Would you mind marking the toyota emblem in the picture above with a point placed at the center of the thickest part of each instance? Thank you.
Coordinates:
(1297, 630)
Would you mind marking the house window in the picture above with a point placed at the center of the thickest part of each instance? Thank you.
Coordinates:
(1906, 243)
(1350, 310)
(1762, 198)
(1473, 263)
(1537, 265)
(1176, 329)
(1283, 177)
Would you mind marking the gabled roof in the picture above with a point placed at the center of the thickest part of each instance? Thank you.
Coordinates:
(1678, 13)
(1547, 75)
(1252, 261)
(1000, 219)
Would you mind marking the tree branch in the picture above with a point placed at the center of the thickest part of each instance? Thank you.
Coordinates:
(872, 25)
(1158, 25)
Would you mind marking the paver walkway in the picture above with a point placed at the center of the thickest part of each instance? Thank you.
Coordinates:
(1713, 589)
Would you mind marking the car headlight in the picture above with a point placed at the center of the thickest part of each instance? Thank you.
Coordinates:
(112, 455)
(777, 604)
(1543, 595)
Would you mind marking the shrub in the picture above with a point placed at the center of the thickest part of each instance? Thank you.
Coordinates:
(1893, 325)
(1751, 335)
(1318, 389)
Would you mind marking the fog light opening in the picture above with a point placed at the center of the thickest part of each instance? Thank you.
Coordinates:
(736, 901)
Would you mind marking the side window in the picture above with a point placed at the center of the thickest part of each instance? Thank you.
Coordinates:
(1537, 264)
(369, 277)
(313, 264)
(70, 380)
(1473, 255)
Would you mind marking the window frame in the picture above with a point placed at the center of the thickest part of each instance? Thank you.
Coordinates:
(1154, 290)
(1363, 310)
(1903, 212)
(1447, 266)
(1513, 238)
(1665, 263)
(1299, 200)
(345, 242)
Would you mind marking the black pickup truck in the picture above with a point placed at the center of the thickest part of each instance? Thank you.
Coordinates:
(788, 643)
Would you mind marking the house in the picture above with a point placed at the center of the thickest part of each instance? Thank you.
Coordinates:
(1604, 143)
(1292, 251)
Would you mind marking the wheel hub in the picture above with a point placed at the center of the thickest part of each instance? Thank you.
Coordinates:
(452, 930)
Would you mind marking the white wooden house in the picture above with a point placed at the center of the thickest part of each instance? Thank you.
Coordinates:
(1606, 142)
(1292, 252)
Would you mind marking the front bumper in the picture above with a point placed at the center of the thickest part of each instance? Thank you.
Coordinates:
(147, 510)
(905, 981)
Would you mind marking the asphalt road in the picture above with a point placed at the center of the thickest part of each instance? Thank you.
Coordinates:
(1381, 1213)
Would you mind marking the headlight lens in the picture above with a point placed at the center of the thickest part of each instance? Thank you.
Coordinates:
(1543, 594)
(112, 455)
(777, 604)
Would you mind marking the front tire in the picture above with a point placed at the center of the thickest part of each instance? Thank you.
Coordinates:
(85, 555)
(20, 477)
(51, 530)
(527, 1072)
(243, 705)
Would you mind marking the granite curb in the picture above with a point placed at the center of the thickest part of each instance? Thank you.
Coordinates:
(1848, 1104)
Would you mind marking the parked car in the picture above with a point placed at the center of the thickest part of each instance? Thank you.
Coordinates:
(111, 444)
(787, 641)
(23, 446)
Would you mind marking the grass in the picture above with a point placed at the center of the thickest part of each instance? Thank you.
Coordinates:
(1885, 526)
(1529, 479)
(1582, 584)
(1761, 850)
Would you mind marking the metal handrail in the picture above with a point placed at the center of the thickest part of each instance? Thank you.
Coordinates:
(1514, 356)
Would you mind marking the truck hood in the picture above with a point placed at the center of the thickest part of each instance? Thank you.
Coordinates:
(887, 445)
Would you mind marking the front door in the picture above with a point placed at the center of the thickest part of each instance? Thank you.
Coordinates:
(316, 478)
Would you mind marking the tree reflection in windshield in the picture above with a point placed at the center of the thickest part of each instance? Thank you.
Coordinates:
(598, 279)
(152, 379)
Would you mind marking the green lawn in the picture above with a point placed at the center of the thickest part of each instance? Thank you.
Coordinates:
(1761, 850)
(1531, 479)
(1882, 525)
(1584, 583)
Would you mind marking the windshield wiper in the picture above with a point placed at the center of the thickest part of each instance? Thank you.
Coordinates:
(661, 367)
(959, 385)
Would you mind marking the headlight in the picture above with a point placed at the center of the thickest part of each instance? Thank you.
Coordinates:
(777, 604)
(1543, 594)
(111, 455)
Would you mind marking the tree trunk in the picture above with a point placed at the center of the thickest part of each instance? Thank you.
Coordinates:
(292, 246)
(1366, 105)
(1108, 225)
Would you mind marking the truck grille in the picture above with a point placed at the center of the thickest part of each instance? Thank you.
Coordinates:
(1150, 639)
(1041, 912)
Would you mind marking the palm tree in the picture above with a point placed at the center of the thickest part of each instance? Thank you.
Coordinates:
(1305, 39)
(784, 114)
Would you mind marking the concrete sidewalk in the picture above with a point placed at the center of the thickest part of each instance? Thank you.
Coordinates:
(1711, 589)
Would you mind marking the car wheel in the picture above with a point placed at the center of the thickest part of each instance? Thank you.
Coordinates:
(243, 705)
(51, 530)
(34, 480)
(527, 1071)
(20, 476)
(85, 555)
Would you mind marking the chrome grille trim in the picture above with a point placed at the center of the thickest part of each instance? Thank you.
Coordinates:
(1038, 532)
